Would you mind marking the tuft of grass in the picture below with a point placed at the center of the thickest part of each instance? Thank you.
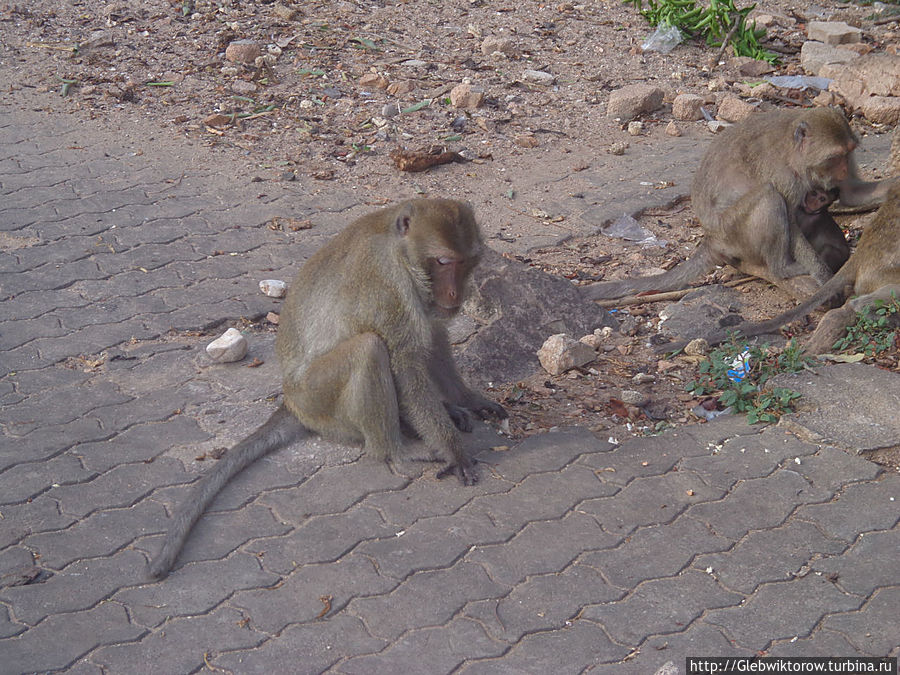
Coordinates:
(875, 330)
(716, 23)
(737, 373)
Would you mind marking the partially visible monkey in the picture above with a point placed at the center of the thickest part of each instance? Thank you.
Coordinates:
(820, 228)
(363, 348)
(871, 273)
(747, 194)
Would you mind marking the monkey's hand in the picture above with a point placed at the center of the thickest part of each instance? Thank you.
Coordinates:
(485, 408)
(464, 470)
(460, 417)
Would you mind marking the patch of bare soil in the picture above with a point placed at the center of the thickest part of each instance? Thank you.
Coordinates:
(322, 90)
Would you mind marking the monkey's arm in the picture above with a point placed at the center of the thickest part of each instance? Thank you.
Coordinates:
(867, 194)
(455, 391)
(422, 407)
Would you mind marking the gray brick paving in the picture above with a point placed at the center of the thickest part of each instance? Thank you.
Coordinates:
(573, 554)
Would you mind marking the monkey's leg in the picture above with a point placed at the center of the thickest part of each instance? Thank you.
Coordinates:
(348, 393)
(422, 406)
(458, 396)
(776, 249)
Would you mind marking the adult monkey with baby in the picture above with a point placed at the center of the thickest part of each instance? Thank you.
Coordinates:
(363, 349)
(872, 273)
(750, 192)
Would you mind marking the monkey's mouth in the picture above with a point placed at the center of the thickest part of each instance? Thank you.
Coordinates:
(445, 311)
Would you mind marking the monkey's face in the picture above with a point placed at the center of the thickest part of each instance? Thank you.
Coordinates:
(448, 275)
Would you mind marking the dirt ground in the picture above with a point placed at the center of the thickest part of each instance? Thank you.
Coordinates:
(336, 86)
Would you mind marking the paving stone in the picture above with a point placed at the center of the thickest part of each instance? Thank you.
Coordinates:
(424, 498)
(873, 630)
(119, 487)
(446, 648)
(49, 277)
(8, 627)
(42, 444)
(17, 333)
(414, 603)
(699, 639)
(541, 547)
(768, 555)
(758, 503)
(61, 406)
(543, 496)
(92, 339)
(39, 515)
(181, 645)
(821, 643)
(71, 636)
(561, 652)
(649, 456)
(432, 543)
(298, 599)
(27, 481)
(836, 518)
(34, 381)
(140, 443)
(782, 611)
(66, 590)
(747, 457)
(864, 566)
(100, 534)
(12, 558)
(542, 603)
(660, 606)
(217, 534)
(831, 469)
(654, 500)
(549, 452)
(196, 588)
(304, 648)
(654, 552)
(332, 490)
(321, 539)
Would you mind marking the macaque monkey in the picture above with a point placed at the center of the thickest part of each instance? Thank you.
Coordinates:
(363, 348)
(871, 273)
(748, 192)
(820, 229)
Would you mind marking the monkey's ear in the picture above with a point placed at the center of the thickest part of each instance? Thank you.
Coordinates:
(402, 224)
(404, 216)
(800, 132)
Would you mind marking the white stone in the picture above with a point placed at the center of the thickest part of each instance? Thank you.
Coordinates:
(230, 346)
(538, 76)
(560, 353)
(274, 288)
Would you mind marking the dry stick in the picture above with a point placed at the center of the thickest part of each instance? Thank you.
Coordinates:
(734, 27)
(660, 297)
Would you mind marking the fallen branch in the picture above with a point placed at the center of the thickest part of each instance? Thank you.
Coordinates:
(663, 297)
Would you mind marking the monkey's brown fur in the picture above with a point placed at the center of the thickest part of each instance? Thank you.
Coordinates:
(872, 272)
(747, 193)
(820, 228)
(363, 348)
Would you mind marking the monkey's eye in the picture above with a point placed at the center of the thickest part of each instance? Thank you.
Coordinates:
(445, 261)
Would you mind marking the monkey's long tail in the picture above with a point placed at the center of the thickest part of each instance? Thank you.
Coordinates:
(747, 329)
(282, 428)
(701, 262)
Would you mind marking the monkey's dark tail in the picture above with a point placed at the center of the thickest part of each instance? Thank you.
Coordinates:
(747, 329)
(701, 262)
(281, 429)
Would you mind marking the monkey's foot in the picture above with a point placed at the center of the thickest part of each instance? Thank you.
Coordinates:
(464, 471)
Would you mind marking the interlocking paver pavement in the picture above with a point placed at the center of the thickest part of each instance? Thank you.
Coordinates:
(572, 555)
